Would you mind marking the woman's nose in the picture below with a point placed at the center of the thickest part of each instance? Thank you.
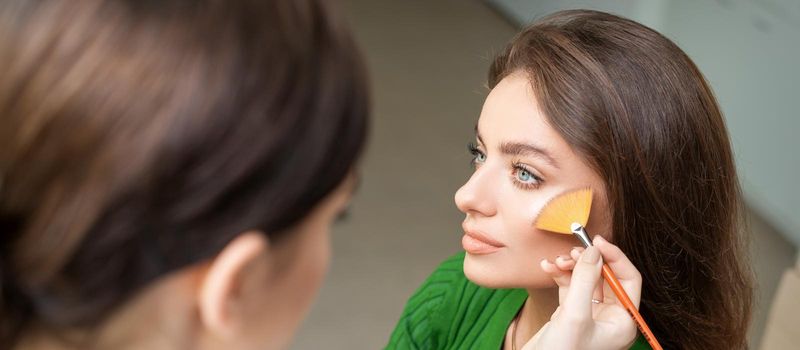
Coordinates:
(475, 197)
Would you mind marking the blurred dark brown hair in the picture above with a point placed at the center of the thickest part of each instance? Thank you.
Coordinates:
(641, 114)
(140, 136)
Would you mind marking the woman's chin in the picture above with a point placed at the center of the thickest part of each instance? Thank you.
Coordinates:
(490, 275)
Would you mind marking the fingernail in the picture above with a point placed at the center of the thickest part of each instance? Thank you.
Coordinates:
(599, 238)
(591, 255)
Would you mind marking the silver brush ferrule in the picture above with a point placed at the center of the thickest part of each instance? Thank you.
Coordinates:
(580, 232)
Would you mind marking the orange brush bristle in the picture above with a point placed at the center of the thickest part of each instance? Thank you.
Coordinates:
(562, 211)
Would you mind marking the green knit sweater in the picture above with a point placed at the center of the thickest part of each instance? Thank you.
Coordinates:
(450, 312)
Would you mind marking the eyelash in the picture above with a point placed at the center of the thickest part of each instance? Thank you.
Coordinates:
(475, 152)
(525, 185)
(517, 166)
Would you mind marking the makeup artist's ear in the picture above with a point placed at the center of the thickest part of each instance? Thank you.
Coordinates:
(220, 301)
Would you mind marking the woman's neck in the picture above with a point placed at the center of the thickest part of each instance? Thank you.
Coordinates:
(537, 310)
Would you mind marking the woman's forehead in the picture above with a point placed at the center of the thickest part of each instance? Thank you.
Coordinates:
(511, 114)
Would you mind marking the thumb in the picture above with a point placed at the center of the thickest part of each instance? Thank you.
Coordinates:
(585, 275)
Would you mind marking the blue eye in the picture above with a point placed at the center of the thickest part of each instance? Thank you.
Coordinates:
(524, 176)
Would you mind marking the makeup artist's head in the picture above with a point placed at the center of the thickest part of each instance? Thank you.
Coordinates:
(588, 99)
(171, 169)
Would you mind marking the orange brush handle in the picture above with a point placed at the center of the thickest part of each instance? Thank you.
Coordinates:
(612, 280)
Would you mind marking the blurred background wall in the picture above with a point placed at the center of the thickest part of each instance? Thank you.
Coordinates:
(428, 62)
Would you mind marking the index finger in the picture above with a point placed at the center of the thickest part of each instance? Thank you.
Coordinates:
(623, 268)
(585, 276)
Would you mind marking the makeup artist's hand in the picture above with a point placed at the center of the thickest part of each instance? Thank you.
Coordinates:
(579, 322)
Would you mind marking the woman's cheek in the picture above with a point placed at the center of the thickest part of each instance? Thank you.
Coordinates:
(533, 245)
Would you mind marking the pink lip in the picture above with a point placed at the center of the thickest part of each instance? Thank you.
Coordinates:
(478, 243)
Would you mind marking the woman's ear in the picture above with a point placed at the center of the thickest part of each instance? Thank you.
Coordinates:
(220, 301)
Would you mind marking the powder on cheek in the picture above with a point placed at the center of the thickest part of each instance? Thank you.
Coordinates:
(526, 241)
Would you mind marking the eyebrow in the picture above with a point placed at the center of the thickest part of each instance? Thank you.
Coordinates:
(523, 149)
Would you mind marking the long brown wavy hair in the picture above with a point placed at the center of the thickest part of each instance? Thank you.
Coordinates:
(639, 111)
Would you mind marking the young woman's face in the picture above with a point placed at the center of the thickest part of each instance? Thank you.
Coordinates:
(521, 163)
